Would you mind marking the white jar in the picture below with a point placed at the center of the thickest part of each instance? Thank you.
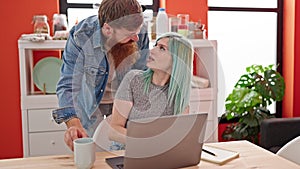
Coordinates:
(162, 22)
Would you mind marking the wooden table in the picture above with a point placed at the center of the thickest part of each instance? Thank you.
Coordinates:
(251, 157)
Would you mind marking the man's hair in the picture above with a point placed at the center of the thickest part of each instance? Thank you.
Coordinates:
(126, 14)
(182, 53)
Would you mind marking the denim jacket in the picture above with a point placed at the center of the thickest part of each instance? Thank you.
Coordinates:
(84, 73)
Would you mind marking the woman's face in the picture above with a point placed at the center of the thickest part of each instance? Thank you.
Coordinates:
(160, 58)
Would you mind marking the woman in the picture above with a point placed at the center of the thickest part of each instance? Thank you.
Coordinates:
(163, 89)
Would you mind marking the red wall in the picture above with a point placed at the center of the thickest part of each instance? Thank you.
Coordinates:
(16, 18)
(291, 60)
(297, 61)
(288, 59)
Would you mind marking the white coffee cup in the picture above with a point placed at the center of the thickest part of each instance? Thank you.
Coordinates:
(84, 153)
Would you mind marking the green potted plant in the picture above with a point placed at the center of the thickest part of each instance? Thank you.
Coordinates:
(248, 102)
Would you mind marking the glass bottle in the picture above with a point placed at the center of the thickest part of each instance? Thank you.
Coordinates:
(40, 24)
(183, 28)
(59, 23)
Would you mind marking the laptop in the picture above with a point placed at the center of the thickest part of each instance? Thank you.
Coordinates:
(163, 143)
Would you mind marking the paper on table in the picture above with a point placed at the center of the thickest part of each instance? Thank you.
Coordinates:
(221, 155)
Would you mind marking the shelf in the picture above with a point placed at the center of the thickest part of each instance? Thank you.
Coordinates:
(47, 44)
(36, 106)
(26, 57)
(60, 44)
(197, 43)
(202, 43)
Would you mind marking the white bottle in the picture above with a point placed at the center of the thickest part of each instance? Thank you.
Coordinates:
(162, 22)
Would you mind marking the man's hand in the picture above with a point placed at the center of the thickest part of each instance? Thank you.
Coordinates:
(74, 131)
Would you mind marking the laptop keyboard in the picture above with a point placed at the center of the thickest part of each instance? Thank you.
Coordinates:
(120, 166)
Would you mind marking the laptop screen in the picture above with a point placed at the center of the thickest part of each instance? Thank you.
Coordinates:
(165, 142)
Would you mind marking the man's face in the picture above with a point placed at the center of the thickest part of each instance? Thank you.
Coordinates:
(123, 36)
(122, 44)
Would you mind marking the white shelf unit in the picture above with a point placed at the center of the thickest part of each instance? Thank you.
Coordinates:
(42, 136)
(205, 100)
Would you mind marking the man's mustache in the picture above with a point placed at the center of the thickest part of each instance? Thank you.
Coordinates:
(130, 42)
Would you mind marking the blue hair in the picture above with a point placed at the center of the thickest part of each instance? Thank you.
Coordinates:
(182, 53)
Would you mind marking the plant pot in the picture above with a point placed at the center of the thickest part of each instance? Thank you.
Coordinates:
(221, 129)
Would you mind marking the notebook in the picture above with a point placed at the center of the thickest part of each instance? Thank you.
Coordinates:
(218, 155)
(162, 143)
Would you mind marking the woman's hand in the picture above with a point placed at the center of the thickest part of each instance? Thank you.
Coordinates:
(74, 131)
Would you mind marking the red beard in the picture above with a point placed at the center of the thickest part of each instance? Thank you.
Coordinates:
(125, 53)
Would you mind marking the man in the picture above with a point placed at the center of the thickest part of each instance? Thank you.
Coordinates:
(99, 52)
